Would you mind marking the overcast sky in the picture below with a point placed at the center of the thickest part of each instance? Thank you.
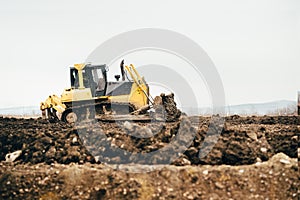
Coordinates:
(254, 44)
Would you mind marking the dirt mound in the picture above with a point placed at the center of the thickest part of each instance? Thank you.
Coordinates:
(166, 108)
(172, 112)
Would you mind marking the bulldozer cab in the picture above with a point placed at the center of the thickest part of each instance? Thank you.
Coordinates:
(94, 77)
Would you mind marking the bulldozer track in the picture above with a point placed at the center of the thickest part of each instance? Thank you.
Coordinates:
(116, 111)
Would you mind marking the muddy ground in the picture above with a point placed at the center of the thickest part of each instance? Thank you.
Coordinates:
(251, 158)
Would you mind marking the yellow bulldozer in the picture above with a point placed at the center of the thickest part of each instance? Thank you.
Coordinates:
(91, 94)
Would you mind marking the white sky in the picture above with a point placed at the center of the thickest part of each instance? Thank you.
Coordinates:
(254, 44)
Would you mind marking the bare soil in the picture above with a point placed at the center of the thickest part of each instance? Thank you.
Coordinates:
(253, 158)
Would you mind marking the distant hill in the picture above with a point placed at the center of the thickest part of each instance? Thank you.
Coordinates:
(283, 107)
(21, 111)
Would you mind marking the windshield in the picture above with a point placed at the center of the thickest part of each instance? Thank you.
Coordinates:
(74, 78)
(98, 78)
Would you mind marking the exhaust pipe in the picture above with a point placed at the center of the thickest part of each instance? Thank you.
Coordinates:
(122, 70)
